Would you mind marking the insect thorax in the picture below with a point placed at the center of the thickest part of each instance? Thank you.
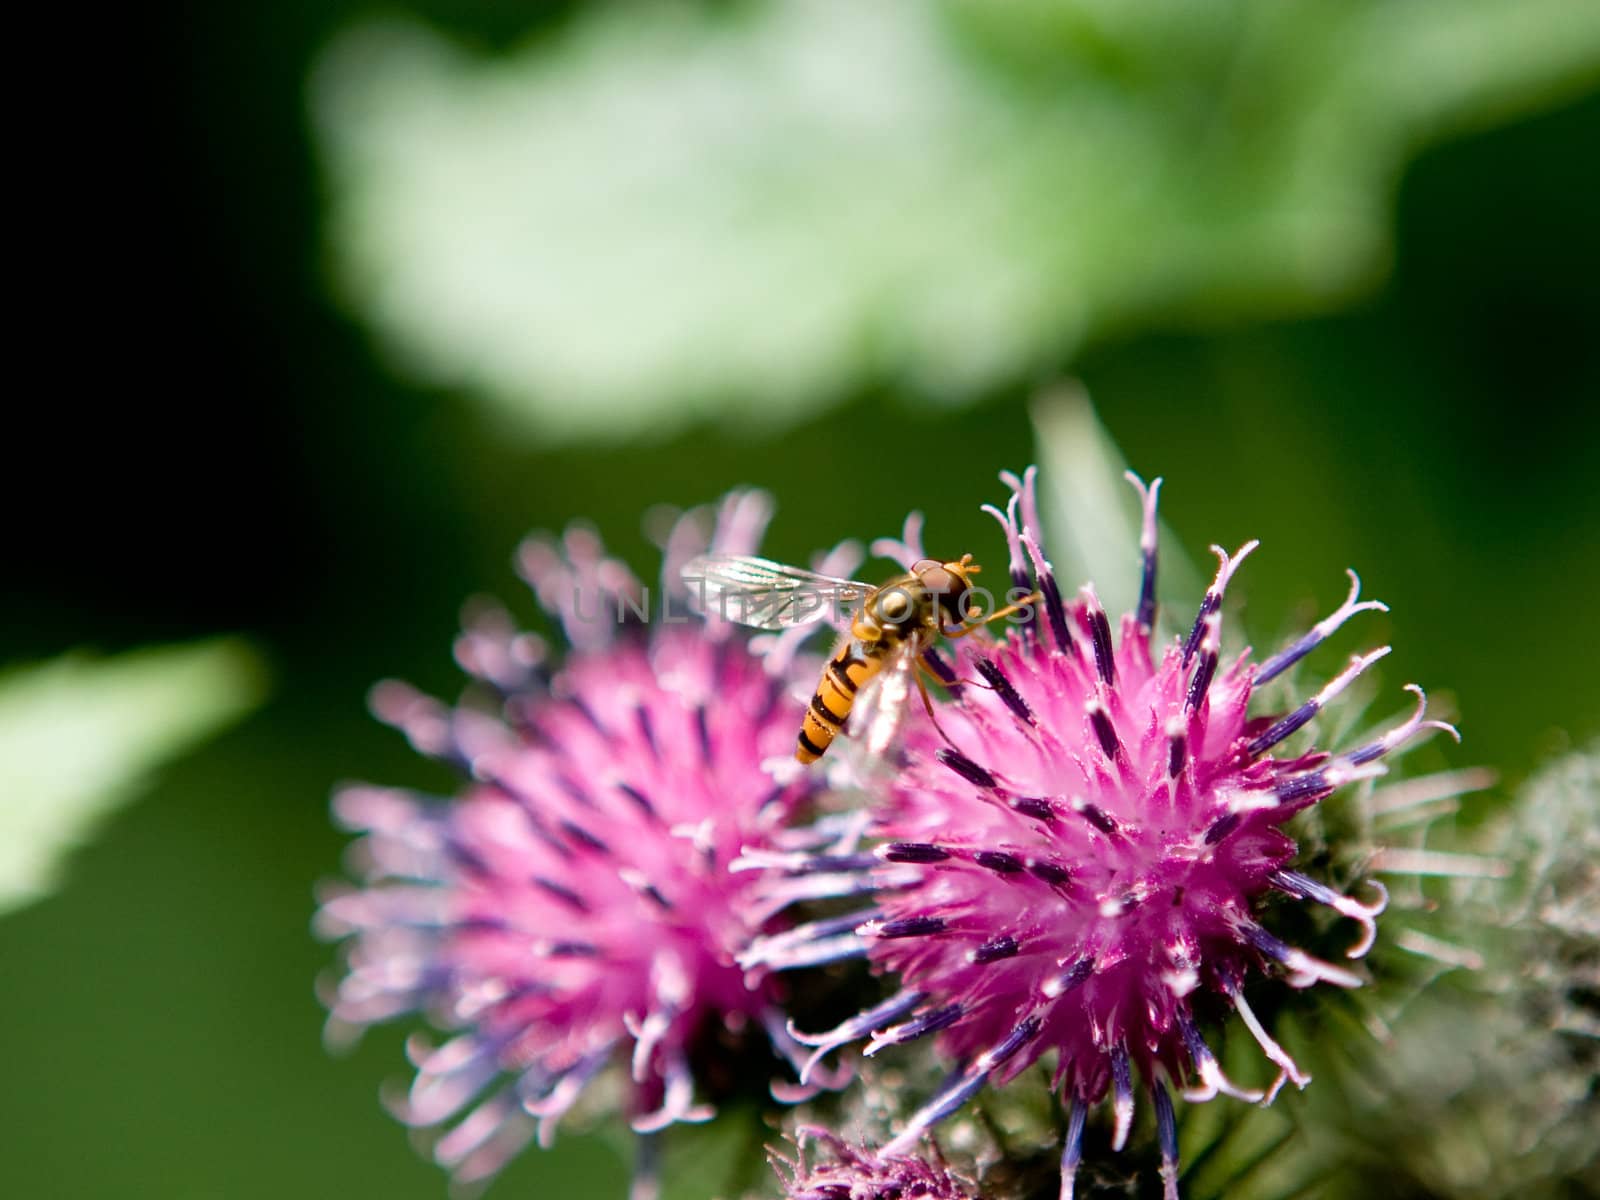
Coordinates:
(900, 609)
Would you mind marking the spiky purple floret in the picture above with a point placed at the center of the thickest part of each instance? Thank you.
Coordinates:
(572, 907)
(826, 1167)
(1085, 841)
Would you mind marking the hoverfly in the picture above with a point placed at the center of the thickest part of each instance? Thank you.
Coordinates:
(893, 625)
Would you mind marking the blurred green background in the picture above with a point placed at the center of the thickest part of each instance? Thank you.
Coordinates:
(1434, 423)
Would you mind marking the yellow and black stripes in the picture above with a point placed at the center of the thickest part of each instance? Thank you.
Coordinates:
(851, 666)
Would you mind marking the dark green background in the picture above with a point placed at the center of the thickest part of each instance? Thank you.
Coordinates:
(160, 1033)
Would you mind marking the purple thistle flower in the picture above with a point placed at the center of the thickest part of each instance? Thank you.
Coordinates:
(1084, 844)
(847, 1172)
(571, 908)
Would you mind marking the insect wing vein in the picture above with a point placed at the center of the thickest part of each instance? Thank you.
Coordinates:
(765, 594)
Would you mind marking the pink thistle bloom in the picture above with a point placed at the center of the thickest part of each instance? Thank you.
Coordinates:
(1084, 844)
(846, 1172)
(571, 908)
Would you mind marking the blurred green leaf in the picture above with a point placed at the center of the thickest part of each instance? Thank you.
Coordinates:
(78, 735)
(725, 1158)
(676, 212)
(1091, 513)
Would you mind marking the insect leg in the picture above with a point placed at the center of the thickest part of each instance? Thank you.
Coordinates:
(927, 700)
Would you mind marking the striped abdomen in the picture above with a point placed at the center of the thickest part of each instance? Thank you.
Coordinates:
(852, 664)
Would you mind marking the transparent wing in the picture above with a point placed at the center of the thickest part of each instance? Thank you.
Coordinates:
(768, 595)
(880, 707)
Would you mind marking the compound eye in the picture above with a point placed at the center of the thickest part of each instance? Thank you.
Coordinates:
(936, 578)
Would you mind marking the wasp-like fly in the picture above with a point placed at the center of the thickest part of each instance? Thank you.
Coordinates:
(893, 624)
